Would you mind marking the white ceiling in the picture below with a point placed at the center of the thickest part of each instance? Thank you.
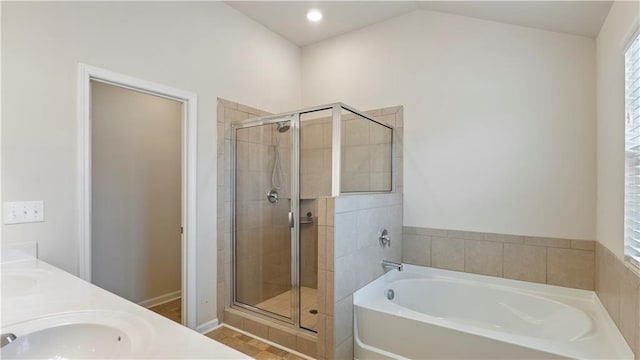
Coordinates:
(288, 18)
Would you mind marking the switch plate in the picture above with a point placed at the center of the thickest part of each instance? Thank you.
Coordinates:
(20, 212)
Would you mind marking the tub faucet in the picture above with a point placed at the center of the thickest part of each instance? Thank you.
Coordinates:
(7, 339)
(386, 264)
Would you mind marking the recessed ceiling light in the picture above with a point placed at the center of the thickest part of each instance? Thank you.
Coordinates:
(314, 15)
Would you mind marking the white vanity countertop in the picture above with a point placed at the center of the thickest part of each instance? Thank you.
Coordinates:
(33, 289)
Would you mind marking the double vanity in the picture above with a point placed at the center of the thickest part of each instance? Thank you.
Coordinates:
(49, 313)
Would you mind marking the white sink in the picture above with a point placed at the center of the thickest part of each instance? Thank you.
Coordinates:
(69, 342)
(16, 282)
(79, 335)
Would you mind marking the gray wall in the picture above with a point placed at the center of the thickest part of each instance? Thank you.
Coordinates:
(136, 149)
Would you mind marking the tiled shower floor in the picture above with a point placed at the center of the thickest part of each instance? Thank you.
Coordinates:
(281, 304)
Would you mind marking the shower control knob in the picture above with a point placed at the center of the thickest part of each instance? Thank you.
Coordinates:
(384, 238)
(272, 196)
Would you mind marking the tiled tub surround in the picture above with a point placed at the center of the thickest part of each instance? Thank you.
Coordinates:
(356, 255)
(554, 261)
(618, 287)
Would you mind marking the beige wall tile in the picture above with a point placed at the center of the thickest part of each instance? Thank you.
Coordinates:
(322, 291)
(583, 244)
(344, 351)
(328, 340)
(343, 318)
(447, 253)
(483, 257)
(525, 262)
(330, 294)
(391, 110)
(571, 268)
(322, 248)
(425, 231)
(514, 239)
(549, 242)
(233, 115)
(330, 211)
(256, 328)
(306, 344)
(330, 256)
(282, 337)
(629, 301)
(227, 103)
(464, 235)
(322, 333)
(345, 281)
(321, 204)
(609, 283)
(230, 318)
(345, 234)
(416, 249)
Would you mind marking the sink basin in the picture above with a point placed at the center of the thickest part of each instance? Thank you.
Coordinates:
(16, 283)
(79, 335)
(70, 341)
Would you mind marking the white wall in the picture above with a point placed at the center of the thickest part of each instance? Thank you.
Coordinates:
(204, 47)
(500, 119)
(135, 192)
(614, 35)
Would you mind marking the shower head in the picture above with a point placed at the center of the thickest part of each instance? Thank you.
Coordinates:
(283, 127)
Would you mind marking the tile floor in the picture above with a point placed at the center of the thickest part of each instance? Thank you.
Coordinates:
(281, 304)
(171, 310)
(250, 346)
(243, 343)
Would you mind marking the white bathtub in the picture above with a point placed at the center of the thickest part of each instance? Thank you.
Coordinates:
(445, 314)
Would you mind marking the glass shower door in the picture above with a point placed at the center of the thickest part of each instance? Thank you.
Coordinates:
(264, 218)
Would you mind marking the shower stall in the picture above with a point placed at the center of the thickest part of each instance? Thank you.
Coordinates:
(281, 165)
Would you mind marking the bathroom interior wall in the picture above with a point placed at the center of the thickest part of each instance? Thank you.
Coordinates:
(617, 282)
(500, 125)
(136, 192)
(195, 46)
(619, 26)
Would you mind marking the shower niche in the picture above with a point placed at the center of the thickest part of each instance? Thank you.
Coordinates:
(282, 167)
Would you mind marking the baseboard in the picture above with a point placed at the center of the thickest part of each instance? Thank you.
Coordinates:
(162, 299)
(207, 327)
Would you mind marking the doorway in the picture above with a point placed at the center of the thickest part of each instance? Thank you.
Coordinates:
(138, 191)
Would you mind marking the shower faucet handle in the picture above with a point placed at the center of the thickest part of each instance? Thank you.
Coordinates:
(384, 238)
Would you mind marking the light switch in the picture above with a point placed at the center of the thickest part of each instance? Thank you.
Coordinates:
(19, 212)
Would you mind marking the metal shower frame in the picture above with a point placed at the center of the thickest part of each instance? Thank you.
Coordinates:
(294, 118)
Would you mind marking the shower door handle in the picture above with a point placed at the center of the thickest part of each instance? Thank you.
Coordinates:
(291, 223)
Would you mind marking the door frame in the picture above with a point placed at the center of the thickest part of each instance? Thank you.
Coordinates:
(294, 120)
(88, 73)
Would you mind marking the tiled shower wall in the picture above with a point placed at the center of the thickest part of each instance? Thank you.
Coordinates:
(263, 234)
(554, 261)
(370, 211)
(350, 254)
(228, 112)
(366, 154)
(618, 287)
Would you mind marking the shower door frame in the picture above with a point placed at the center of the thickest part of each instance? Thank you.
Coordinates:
(294, 119)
